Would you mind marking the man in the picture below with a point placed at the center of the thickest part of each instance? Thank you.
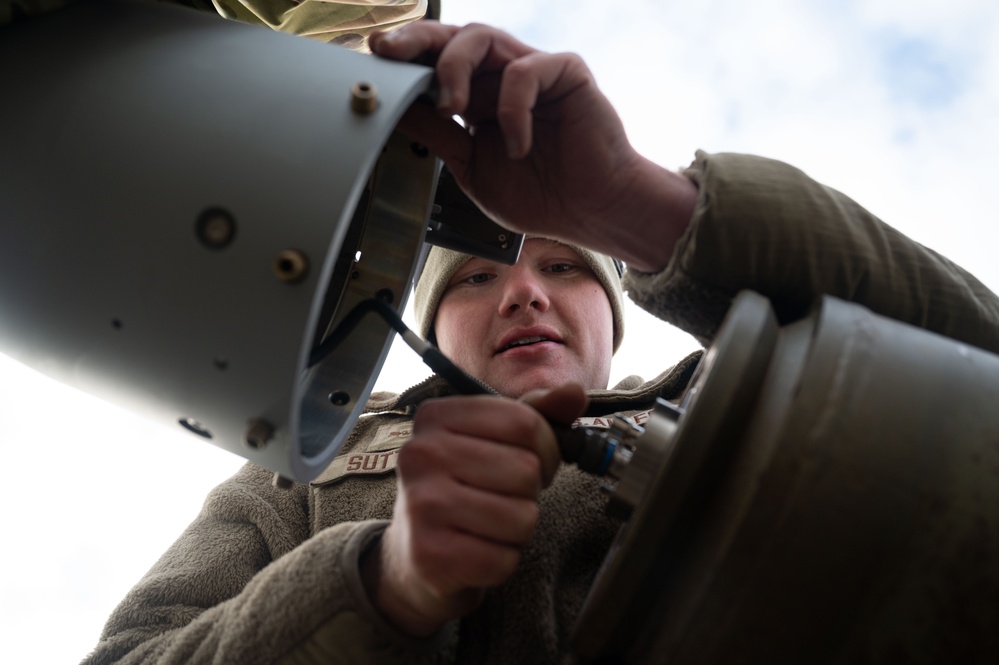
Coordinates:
(554, 183)
(500, 306)
(472, 473)
(468, 543)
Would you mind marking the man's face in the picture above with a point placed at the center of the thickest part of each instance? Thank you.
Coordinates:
(541, 323)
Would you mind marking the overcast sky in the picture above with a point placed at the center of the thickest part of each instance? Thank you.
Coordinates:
(894, 103)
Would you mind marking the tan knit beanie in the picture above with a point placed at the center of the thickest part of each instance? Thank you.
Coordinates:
(442, 263)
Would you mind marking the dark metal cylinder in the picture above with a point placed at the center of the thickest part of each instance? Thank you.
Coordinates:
(853, 518)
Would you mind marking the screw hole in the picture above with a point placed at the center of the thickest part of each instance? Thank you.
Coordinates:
(116, 324)
(291, 266)
(363, 98)
(419, 150)
(215, 228)
(192, 425)
(258, 434)
(339, 398)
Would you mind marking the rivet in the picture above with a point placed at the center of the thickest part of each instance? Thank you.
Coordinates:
(258, 433)
(215, 228)
(363, 98)
(291, 266)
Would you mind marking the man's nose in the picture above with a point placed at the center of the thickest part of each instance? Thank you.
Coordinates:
(523, 288)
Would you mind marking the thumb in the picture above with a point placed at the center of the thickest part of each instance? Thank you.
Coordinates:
(560, 407)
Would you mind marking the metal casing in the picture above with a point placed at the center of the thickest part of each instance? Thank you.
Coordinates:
(127, 125)
(828, 496)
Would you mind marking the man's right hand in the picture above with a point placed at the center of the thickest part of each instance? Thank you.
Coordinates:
(543, 151)
(468, 487)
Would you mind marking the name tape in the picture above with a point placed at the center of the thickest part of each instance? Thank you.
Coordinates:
(382, 452)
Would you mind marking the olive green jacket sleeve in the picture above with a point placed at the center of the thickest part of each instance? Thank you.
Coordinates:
(245, 584)
(763, 225)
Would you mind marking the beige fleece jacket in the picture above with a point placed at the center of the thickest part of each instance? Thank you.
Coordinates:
(271, 576)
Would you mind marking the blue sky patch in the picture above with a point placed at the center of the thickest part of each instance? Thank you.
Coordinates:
(921, 72)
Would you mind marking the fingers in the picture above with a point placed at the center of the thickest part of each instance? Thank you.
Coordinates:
(488, 420)
(507, 469)
(501, 87)
(540, 149)
(475, 50)
(493, 443)
(469, 482)
(453, 561)
(412, 41)
(446, 508)
(560, 405)
(526, 81)
(462, 53)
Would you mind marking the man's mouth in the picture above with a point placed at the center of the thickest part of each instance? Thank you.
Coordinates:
(526, 337)
(524, 341)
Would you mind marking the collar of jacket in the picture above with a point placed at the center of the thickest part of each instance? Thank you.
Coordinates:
(631, 394)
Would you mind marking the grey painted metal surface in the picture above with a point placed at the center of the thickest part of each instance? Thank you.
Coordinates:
(184, 200)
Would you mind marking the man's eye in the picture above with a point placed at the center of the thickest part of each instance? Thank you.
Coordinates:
(478, 278)
(560, 267)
